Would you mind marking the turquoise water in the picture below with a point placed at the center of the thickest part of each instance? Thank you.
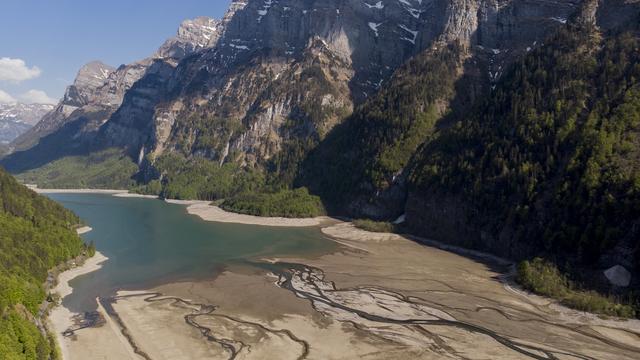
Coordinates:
(149, 242)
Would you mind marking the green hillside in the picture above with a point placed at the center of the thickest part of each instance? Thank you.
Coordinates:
(36, 234)
(550, 159)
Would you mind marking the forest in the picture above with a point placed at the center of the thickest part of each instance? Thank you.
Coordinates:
(36, 234)
(549, 162)
(372, 146)
(552, 154)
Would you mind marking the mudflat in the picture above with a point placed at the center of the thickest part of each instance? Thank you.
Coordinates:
(381, 296)
(378, 296)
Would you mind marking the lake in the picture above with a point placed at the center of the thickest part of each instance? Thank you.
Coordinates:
(150, 242)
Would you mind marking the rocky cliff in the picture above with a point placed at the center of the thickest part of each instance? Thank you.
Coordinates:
(336, 53)
(284, 73)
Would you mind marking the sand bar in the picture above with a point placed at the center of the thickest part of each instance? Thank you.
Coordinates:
(209, 212)
(60, 318)
(135, 196)
(83, 230)
(77, 191)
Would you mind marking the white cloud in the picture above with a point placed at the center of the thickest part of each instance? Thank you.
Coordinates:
(16, 70)
(36, 97)
(6, 98)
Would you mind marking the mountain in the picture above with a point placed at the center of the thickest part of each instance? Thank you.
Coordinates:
(538, 161)
(89, 79)
(548, 163)
(506, 126)
(193, 35)
(338, 51)
(284, 74)
(36, 234)
(99, 90)
(15, 119)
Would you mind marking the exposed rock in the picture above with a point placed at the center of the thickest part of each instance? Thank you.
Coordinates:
(266, 47)
(618, 276)
(246, 62)
(89, 80)
(83, 92)
(401, 219)
(193, 35)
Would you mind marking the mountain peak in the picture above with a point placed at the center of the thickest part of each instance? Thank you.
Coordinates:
(93, 74)
(193, 35)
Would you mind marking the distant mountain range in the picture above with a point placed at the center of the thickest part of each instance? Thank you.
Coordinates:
(507, 126)
(17, 118)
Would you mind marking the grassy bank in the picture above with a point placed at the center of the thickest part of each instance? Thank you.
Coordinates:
(544, 278)
(374, 226)
(108, 169)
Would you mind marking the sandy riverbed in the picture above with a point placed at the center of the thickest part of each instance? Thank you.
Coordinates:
(134, 195)
(77, 191)
(60, 318)
(103, 342)
(381, 296)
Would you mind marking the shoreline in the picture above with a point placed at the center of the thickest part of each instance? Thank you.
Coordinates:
(60, 318)
(77, 191)
(135, 196)
(207, 212)
(381, 294)
(347, 232)
(203, 209)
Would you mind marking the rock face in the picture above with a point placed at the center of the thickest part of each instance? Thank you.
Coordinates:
(83, 92)
(193, 35)
(15, 119)
(309, 63)
(618, 276)
(270, 64)
(273, 76)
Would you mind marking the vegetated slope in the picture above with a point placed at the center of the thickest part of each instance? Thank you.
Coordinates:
(36, 234)
(359, 168)
(105, 169)
(548, 163)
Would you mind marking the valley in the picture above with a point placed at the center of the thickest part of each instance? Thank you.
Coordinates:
(322, 179)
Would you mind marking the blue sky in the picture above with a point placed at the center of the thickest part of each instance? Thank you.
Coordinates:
(43, 43)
